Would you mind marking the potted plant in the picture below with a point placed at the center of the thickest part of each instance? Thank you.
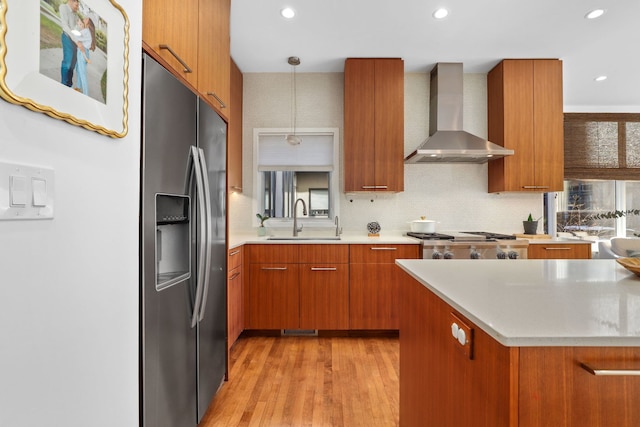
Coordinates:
(262, 231)
(530, 225)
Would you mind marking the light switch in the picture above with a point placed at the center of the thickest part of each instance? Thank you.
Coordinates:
(18, 190)
(39, 187)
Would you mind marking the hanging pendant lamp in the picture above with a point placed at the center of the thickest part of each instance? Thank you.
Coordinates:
(292, 138)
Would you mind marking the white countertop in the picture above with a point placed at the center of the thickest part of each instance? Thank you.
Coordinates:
(539, 302)
(238, 239)
(559, 241)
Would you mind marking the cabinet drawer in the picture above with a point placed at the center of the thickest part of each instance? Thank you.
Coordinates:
(559, 251)
(335, 253)
(381, 253)
(286, 254)
(235, 258)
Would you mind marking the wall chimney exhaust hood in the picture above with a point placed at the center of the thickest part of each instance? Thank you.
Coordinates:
(447, 142)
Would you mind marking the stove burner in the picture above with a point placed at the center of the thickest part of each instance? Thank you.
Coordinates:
(430, 236)
(496, 236)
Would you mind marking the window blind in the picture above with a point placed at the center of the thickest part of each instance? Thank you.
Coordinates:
(315, 153)
(602, 146)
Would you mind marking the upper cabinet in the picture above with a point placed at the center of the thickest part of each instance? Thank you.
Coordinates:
(213, 54)
(234, 151)
(192, 37)
(373, 125)
(169, 28)
(525, 113)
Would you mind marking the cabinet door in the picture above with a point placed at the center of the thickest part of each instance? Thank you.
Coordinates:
(273, 296)
(235, 312)
(359, 122)
(548, 134)
(324, 296)
(173, 24)
(234, 150)
(389, 125)
(373, 296)
(213, 54)
(559, 251)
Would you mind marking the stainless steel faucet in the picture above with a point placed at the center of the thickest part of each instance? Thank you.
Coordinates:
(296, 230)
(338, 229)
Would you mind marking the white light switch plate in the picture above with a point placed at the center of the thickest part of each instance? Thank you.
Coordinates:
(35, 201)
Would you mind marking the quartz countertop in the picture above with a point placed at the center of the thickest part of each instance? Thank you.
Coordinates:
(391, 238)
(539, 302)
(559, 241)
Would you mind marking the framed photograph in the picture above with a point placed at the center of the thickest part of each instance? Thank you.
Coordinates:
(68, 59)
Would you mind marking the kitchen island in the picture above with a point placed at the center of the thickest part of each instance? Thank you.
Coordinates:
(521, 343)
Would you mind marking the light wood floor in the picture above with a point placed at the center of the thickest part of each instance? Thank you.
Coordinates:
(309, 381)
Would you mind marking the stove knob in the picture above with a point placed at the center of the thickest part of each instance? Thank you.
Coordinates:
(512, 255)
(436, 255)
(501, 254)
(448, 255)
(474, 255)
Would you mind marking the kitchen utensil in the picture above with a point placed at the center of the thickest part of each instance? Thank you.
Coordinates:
(423, 226)
(631, 264)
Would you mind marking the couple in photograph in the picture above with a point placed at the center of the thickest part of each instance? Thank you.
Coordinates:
(78, 39)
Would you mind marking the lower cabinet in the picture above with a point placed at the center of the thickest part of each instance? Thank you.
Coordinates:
(559, 251)
(235, 303)
(374, 281)
(483, 383)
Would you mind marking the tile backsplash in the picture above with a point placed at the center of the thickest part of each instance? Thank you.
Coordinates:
(455, 195)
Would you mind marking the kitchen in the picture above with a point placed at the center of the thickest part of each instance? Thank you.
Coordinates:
(90, 250)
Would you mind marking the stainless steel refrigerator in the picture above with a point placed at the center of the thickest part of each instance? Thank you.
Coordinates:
(183, 252)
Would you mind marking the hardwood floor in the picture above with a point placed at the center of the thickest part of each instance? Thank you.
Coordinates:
(309, 381)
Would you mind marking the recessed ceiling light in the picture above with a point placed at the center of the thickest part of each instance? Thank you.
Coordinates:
(288, 13)
(595, 13)
(600, 78)
(441, 13)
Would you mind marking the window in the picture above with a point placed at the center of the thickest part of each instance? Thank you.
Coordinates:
(601, 196)
(286, 173)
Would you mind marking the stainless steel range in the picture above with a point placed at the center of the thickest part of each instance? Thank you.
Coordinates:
(471, 245)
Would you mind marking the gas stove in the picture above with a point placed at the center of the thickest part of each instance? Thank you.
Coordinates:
(471, 245)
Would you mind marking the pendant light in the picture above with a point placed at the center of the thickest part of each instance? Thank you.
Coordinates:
(292, 138)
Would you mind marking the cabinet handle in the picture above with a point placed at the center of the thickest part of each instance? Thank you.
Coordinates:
(383, 249)
(222, 104)
(236, 188)
(557, 249)
(533, 187)
(323, 268)
(234, 276)
(187, 69)
(375, 187)
(596, 371)
(273, 268)
(234, 253)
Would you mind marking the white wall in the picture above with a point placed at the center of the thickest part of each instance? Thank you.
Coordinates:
(453, 194)
(69, 286)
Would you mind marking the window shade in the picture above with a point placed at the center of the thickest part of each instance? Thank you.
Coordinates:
(602, 146)
(314, 153)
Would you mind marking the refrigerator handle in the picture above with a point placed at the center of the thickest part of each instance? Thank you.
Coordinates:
(194, 160)
(209, 226)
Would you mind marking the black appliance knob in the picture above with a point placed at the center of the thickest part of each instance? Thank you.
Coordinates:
(448, 255)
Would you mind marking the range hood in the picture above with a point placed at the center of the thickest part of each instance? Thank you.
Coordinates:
(447, 142)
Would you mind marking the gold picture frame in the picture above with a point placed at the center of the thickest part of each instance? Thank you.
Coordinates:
(31, 54)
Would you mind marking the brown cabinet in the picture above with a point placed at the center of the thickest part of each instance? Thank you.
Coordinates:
(374, 282)
(170, 28)
(503, 386)
(235, 312)
(214, 61)
(234, 151)
(374, 125)
(525, 114)
(273, 294)
(324, 287)
(192, 37)
(559, 251)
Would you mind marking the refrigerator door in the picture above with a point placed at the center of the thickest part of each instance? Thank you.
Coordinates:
(212, 328)
(168, 343)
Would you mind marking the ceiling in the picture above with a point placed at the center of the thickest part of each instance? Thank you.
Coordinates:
(477, 33)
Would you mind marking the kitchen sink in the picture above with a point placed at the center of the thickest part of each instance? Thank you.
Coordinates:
(303, 238)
